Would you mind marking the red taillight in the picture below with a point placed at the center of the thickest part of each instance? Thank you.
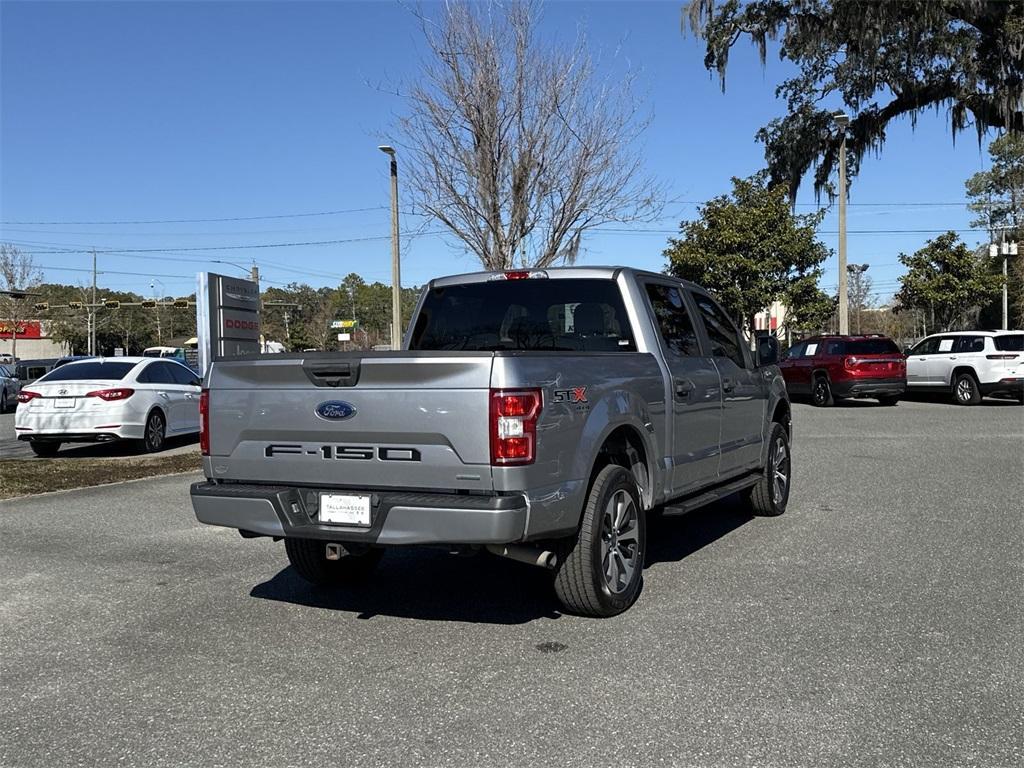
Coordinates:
(25, 395)
(850, 362)
(514, 414)
(204, 422)
(118, 393)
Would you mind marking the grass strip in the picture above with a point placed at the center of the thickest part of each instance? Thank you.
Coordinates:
(24, 477)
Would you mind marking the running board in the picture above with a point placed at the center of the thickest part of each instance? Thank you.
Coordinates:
(703, 498)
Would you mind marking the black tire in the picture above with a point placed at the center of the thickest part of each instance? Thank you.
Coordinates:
(155, 435)
(309, 559)
(965, 389)
(821, 392)
(771, 494)
(600, 572)
(888, 400)
(3, 401)
(44, 449)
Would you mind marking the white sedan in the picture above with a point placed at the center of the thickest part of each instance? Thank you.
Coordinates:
(104, 399)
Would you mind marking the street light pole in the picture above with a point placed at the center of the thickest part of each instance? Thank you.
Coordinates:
(396, 276)
(842, 120)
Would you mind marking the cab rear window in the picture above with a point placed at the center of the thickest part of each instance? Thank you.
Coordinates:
(91, 371)
(534, 314)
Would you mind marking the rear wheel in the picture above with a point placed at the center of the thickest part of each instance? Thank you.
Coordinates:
(888, 400)
(44, 449)
(309, 559)
(3, 401)
(821, 392)
(155, 435)
(771, 494)
(966, 390)
(601, 571)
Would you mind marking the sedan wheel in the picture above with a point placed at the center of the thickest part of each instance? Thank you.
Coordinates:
(155, 433)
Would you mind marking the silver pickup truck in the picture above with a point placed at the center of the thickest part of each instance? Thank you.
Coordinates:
(538, 414)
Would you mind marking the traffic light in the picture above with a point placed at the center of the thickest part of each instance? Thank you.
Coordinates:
(41, 306)
(74, 305)
(181, 303)
(148, 303)
(111, 304)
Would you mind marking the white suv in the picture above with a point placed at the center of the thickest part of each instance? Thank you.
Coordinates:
(970, 364)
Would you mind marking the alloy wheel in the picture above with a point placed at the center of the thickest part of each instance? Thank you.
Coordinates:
(964, 390)
(620, 542)
(780, 470)
(155, 432)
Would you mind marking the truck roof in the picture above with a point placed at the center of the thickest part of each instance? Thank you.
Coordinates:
(554, 273)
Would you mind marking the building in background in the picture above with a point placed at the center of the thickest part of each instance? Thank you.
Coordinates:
(33, 340)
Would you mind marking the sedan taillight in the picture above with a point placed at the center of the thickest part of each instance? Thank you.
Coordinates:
(204, 422)
(109, 395)
(25, 395)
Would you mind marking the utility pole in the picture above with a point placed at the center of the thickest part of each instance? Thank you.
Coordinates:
(92, 308)
(842, 120)
(396, 279)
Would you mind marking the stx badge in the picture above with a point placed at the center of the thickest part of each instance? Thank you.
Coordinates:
(574, 395)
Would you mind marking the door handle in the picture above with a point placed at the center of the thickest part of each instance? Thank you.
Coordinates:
(952, 357)
(683, 387)
(728, 385)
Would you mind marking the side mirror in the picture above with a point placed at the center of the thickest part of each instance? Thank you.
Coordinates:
(906, 350)
(767, 350)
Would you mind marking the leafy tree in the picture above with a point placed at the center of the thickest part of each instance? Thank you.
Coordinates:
(997, 198)
(519, 147)
(751, 250)
(948, 282)
(809, 309)
(883, 60)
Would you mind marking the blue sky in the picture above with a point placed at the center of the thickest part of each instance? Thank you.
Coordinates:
(146, 111)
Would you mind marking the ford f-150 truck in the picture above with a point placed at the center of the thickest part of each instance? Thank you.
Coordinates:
(538, 414)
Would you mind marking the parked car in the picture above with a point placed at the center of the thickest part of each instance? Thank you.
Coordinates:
(829, 368)
(71, 359)
(104, 399)
(539, 415)
(9, 388)
(968, 364)
(28, 371)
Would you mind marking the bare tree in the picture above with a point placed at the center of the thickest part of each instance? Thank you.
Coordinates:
(517, 147)
(17, 273)
(861, 293)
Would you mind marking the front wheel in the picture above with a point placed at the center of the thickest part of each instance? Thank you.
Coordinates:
(821, 392)
(966, 390)
(601, 570)
(309, 559)
(771, 494)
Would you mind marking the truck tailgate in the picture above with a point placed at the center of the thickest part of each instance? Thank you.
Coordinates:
(386, 420)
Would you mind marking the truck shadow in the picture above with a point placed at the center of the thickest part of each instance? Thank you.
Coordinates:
(431, 585)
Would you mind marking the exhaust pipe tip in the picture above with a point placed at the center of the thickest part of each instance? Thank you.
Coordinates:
(542, 558)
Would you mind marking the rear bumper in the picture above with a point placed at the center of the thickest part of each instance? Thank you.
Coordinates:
(99, 436)
(1010, 386)
(397, 518)
(869, 387)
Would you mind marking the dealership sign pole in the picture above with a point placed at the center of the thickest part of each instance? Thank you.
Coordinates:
(227, 317)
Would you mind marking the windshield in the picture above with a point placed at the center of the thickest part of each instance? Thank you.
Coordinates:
(539, 314)
(90, 370)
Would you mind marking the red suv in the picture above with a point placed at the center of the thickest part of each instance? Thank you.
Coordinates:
(833, 367)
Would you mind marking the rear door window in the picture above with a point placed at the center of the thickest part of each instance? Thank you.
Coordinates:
(182, 375)
(534, 314)
(674, 322)
(1011, 342)
(964, 344)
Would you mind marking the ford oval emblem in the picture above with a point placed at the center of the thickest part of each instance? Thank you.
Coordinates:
(335, 410)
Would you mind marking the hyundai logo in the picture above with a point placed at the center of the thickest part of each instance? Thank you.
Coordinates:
(335, 410)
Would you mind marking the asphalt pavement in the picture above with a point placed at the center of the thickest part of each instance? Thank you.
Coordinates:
(878, 622)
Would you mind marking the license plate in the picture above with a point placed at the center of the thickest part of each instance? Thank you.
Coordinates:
(64, 402)
(344, 509)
